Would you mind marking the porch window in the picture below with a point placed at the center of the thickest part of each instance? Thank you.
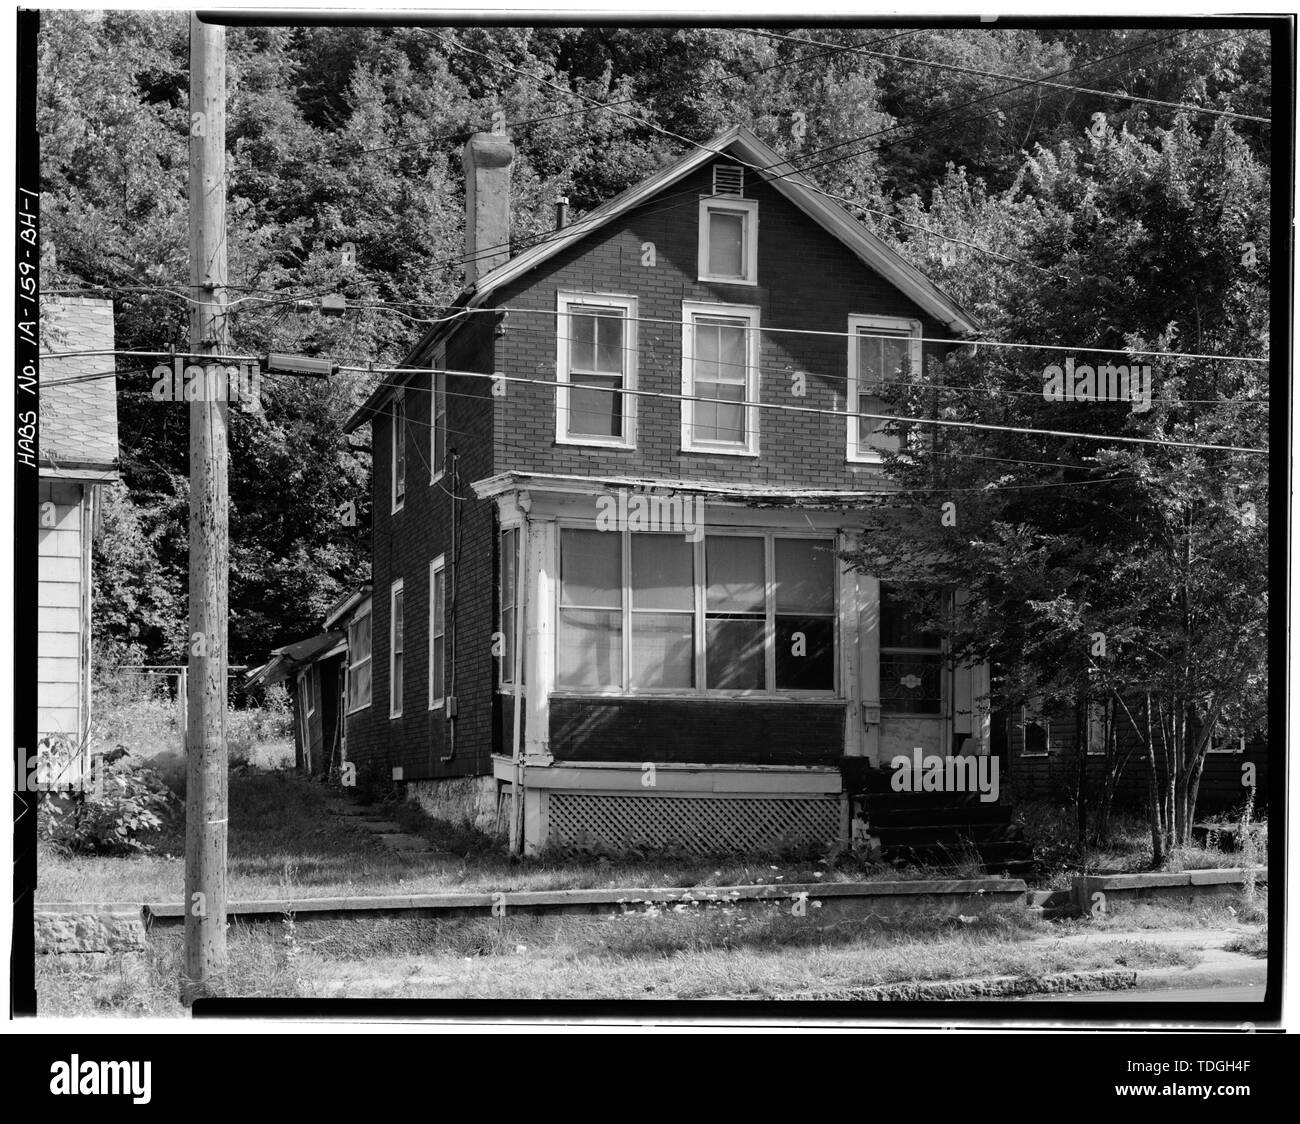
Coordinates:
(437, 632)
(359, 663)
(595, 367)
(742, 613)
(663, 611)
(395, 649)
(591, 610)
(399, 451)
(883, 351)
(720, 366)
(509, 583)
(805, 614)
(911, 660)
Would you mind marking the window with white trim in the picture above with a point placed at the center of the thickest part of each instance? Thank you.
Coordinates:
(399, 450)
(437, 632)
(396, 628)
(359, 662)
(438, 418)
(508, 580)
(883, 352)
(720, 345)
(743, 613)
(728, 240)
(595, 368)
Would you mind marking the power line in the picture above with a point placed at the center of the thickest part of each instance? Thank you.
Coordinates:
(952, 67)
(841, 414)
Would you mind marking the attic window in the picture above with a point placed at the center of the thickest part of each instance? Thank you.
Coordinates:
(728, 179)
(729, 240)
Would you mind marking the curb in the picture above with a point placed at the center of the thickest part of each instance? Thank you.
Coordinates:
(991, 987)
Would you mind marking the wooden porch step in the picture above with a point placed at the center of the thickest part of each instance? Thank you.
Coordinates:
(886, 818)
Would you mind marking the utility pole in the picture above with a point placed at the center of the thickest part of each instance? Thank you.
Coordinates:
(205, 737)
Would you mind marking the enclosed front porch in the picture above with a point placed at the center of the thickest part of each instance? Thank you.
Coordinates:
(701, 686)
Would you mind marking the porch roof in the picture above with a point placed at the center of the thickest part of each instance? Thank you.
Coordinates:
(753, 495)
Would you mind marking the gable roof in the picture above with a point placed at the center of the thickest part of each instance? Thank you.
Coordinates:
(78, 419)
(739, 143)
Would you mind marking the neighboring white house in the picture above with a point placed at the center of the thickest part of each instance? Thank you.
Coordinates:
(78, 454)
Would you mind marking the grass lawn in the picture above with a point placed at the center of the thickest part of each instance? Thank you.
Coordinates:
(657, 954)
(283, 843)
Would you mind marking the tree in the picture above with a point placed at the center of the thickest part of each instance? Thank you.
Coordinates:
(1098, 570)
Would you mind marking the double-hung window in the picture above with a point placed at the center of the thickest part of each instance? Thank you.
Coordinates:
(720, 378)
(595, 370)
(728, 239)
(359, 662)
(438, 418)
(911, 659)
(399, 451)
(735, 613)
(437, 632)
(395, 647)
(884, 351)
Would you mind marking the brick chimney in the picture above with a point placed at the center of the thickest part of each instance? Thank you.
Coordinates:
(487, 161)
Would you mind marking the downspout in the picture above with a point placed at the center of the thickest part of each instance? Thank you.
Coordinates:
(449, 626)
(522, 605)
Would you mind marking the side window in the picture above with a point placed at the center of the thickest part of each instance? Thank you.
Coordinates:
(1036, 728)
(359, 663)
(395, 649)
(399, 451)
(437, 632)
(438, 418)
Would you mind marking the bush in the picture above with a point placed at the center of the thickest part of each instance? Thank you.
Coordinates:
(114, 816)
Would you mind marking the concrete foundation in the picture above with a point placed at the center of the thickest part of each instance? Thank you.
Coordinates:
(462, 800)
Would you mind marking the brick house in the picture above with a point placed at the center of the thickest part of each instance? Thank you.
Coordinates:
(555, 645)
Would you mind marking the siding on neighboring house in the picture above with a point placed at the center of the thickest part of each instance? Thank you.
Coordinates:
(1054, 774)
(63, 611)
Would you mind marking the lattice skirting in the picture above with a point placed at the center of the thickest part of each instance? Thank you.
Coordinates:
(700, 824)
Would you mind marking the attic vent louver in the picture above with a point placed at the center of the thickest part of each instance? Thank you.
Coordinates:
(728, 179)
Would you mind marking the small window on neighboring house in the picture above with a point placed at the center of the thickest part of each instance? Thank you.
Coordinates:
(509, 586)
(728, 240)
(399, 451)
(359, 663)
(437, 632)
(720, 368)
(595, 368)
(1224, 740)
(1098, 727)
(911, 659)
(883, 352)
(1036, 729)
(590, 640)
(438, 416)
(395, 646)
